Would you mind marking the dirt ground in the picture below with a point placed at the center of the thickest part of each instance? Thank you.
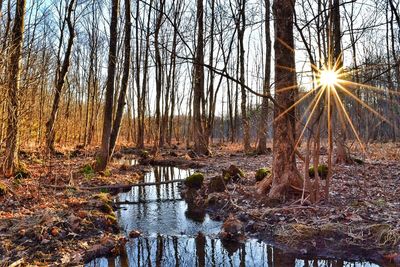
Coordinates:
(60, 215)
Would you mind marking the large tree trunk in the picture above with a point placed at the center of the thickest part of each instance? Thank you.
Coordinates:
(200, 140)
(12, 140)
(50, 131)
(262, 129)
(125, 79)
(103, 155)
(284, 168)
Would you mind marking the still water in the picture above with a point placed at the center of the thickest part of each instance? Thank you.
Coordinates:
(172, 235)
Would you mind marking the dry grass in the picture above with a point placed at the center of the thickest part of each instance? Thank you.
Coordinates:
(384, 234)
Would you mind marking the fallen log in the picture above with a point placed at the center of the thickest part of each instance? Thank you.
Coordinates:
(126, 202)
(114, 186)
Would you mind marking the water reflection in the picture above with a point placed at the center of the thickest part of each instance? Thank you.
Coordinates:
(201, 250)
(175, 234)
(160, 209)
(128, 161)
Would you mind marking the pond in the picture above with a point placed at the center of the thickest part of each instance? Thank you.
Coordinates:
(172, 235)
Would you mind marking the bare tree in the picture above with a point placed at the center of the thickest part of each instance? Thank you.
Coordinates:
(241, 27)
(125, 78)
(12, 140)
(284, 170)
(60, 77)
(103, 156)
(262, 128)
(200, 139)
(337, 58)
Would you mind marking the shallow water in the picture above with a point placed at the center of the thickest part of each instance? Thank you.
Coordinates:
(172, 235)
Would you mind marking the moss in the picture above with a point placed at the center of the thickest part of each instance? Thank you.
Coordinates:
(88, 171)
(104, 190)
(232, 173)
(106, 173)
(111, 219)
(17, 182)
(227, 176)
(195, 180)
(144, 154)
(37, 160)
(106, 208)
(322, 171)
(104, 197)
(3, 189)
(21, 171)
(262, 173)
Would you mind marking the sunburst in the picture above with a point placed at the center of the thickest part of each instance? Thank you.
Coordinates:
(332, 86)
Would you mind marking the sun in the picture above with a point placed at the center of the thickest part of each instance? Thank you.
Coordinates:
(328, 78)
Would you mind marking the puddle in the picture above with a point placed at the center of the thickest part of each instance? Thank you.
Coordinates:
(174, 236)
(160, 209)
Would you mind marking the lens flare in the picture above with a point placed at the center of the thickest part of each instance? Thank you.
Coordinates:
(328, 78)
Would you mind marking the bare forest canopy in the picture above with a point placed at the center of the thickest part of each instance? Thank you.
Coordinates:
(65, 68)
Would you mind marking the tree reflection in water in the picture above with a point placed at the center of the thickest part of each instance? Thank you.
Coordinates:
(201, 250)
(171, 233)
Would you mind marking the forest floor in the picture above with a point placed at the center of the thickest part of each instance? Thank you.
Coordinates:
(59, 215)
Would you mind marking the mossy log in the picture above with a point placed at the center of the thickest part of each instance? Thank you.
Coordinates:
(195, 180)
(262, 173)
(233, 173)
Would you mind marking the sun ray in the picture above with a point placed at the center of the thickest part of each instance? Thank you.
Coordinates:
(286, 68)
(284, 89)
(347, 116)
(285, 44)
(371, 87)
(321, 92)
(365, 105)
(295, 104)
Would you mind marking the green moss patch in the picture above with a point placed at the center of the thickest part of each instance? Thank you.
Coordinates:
(322, 171)
(195, 180)
(22, 171)
(233, 173)
(262, 173)
(3, 189)
(88, 171)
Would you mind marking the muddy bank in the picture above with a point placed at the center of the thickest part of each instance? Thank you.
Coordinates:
(50, 217)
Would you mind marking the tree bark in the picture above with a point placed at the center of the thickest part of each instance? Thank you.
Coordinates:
(241, 26)
(262, 142)
(284, 168)
(125, 79)
(159, 77)
(61, 75)
(200, 140)
(103, 155)
(12, 139)
(341, 153)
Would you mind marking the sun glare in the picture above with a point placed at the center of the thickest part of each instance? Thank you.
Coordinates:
(328, 78)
